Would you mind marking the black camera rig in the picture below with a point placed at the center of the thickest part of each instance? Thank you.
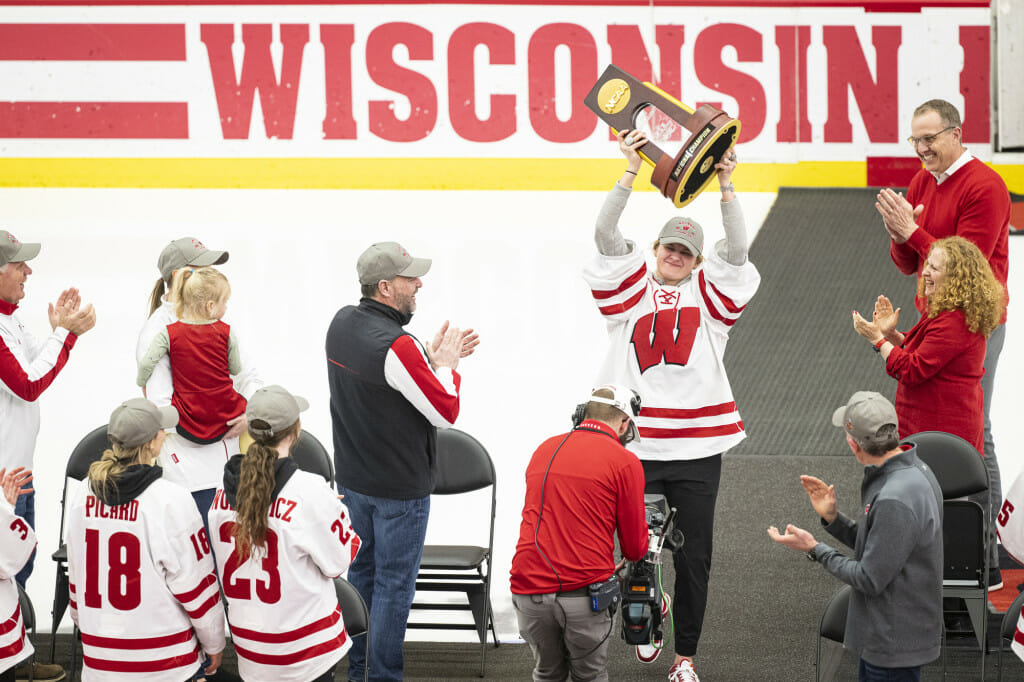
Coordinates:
(641, 584)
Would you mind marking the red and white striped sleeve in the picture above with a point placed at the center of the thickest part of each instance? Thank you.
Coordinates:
(188, 569)
(617, 283)
(725, 290)
(28, 377)
(1018, 636)
(329, 539)
(434, 394)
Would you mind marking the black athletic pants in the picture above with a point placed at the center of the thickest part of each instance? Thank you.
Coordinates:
(691, 486)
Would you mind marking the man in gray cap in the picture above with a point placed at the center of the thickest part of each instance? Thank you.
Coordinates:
(27, 368)
(389, 395)
(895, 618)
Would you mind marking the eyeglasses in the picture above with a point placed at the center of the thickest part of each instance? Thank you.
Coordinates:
(927, 139)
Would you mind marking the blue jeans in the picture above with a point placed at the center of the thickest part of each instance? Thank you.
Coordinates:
(874, 673)
(25, 507)
(391, 534)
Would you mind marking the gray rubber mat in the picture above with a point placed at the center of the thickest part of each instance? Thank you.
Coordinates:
(794, 356)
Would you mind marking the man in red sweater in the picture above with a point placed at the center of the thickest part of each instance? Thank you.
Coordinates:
(581, 487)
(954, 194)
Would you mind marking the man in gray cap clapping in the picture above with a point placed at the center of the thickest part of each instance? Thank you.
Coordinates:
(27, 368)
(894, 623)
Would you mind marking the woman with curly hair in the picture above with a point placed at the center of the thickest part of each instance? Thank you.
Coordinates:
(938, 364)
(280, 535)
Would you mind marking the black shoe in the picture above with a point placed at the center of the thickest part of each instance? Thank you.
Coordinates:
(223, 675)
(995, 580)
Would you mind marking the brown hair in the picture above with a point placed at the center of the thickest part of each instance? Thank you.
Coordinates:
(970, 286)
(602, 412)
(256, 486)
(948, 114)
(196, 290)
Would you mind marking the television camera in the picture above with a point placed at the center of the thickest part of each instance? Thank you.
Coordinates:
(641, 584)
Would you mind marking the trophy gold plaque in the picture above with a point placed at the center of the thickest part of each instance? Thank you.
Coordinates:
(683, 144)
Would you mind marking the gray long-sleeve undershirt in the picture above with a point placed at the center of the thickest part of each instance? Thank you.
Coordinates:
(610, 242)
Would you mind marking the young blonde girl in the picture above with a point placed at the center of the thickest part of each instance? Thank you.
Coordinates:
(203, 353)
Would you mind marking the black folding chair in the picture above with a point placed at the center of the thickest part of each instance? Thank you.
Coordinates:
(960, 471)
(28, 617)
(463, 466)
(355, 615)
(310, 455)
(1008, 630)
(88, 450)
(833, 628)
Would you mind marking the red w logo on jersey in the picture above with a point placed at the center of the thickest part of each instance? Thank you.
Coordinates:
(665, 344)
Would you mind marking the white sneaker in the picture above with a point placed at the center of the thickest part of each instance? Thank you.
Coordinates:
(683, 672)
(648, 653)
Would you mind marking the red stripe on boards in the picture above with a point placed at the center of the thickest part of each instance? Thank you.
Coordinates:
(602, 294)
(105, 120)
(87, 42)
(869, 5)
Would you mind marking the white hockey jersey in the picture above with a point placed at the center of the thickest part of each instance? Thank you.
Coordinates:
(667, 343)
(17, 540)
(1010, 528)
(143, 588)
(286, 624)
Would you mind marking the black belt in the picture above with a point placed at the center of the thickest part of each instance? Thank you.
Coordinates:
(582, 592)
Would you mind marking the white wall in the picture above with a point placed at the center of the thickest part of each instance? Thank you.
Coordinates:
(506, 263)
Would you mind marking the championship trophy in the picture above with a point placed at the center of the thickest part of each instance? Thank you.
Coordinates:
(683, 145)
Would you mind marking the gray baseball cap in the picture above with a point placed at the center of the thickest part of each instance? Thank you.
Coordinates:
(187, 251)
(685, 231)
(863, 415)
(387, 260)
(135, 422)
(277, 407)
(13, 251)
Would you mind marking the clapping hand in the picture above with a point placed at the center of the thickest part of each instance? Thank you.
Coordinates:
(13, 483)
(68, 313)
(869, 330)
(898, 216)
(447, 347)
(884, 317)
(823, 497)
(794, 537)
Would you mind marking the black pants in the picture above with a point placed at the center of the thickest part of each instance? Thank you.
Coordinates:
(691, 486)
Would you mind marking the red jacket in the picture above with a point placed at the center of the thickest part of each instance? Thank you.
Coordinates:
(939, 371)
(591, 486)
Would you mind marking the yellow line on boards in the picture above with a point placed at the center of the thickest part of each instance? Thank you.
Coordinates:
(404, 174)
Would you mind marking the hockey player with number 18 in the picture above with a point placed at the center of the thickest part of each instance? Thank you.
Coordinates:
(142, 582)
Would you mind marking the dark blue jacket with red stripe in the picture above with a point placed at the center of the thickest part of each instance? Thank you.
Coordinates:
(383, 445)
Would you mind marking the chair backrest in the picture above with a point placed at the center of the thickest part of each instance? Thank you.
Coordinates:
(463, 465)
(88, 450)
(28, 612)
(958, 467)
(353, 608)
(963, 540)
(833, 620)
(310, 455)
(1009, 626)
